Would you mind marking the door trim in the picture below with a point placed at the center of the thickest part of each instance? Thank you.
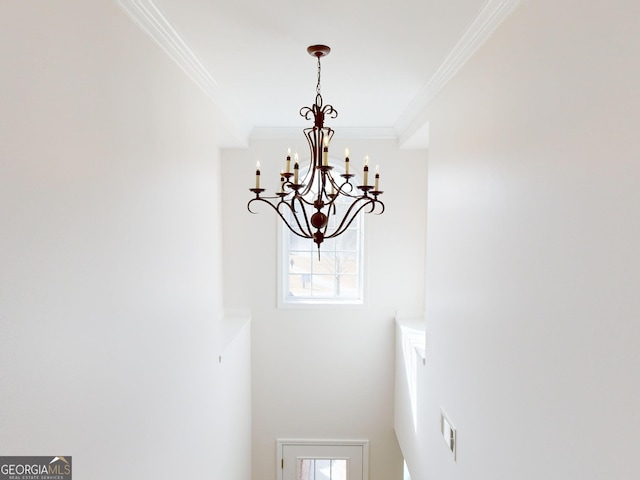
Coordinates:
(281, 443)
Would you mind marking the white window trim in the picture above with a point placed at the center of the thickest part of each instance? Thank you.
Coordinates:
(282, 254)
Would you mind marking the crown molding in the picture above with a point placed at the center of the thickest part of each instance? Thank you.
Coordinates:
(409, 128)
(147, 15)
(492, 14)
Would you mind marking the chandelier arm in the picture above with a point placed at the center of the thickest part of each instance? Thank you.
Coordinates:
(308, 181)
(302, 232)
(304, 235)
(314, 140)
(259, 199)
(342, 191)
(286, 222)
(347, 219)
(300, 198)
(311, 172)
(322, 186)
(332, 211)
(350, 193)
(295, 190)
(351, 214)
(374, 202)
(291, 228)
(331, 198)
(249, 205)
(306, 228)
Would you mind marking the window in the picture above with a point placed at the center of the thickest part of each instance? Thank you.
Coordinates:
(332, 277)
(322, 469)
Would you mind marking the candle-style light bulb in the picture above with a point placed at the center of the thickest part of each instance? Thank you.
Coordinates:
(325, 151)
(288, 160)
(346, 161)
(366, 170)
(296, 168)
(377, 180)
(258, 174)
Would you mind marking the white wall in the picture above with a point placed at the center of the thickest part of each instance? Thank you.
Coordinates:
(533, 265)
(110, 252)
(325, 372)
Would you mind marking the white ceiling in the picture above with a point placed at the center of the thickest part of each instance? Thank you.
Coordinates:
(387, 60)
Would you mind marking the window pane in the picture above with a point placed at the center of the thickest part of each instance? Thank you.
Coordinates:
(298, 243)
(300, 262)
(322, 285)
(346, 262)
(339, 469)
(324, 264)
(322, 469)
(347, 285)
(299, 285)
(327, 246)
(348, 240)
(305, 469)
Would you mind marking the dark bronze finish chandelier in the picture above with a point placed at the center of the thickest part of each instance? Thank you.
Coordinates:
(307, 205)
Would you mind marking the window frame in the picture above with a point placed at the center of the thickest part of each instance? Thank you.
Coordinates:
(286, 301)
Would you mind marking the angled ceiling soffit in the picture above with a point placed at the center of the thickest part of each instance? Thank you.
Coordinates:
(410, 127)
(147, 15)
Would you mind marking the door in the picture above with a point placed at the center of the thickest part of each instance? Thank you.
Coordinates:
(322, 460)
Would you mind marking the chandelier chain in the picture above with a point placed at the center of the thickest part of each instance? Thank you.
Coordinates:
(318, 85)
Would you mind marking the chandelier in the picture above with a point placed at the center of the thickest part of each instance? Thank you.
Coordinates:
(307, 204)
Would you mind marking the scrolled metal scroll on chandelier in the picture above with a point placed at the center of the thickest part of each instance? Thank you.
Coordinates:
(306, 205)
